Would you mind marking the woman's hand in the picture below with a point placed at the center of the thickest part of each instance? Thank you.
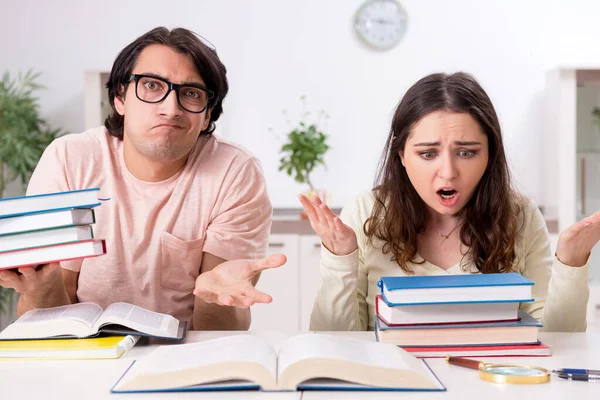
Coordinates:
(339, 238)
(576, 242)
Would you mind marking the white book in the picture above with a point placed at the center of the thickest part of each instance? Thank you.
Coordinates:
(410, 314)
(85, 198)
(81, 320)
(46, 237)
(46, 220)
(54, 253)
(306, 361)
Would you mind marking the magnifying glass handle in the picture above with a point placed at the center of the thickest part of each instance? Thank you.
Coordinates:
(464, 362)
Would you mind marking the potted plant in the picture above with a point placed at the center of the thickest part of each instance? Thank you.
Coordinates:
(596, 116)
(23, 138)
(304, 150)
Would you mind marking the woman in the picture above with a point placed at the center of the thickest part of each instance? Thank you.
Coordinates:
(443, 204)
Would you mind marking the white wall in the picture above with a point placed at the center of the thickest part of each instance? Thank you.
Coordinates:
(277, 50)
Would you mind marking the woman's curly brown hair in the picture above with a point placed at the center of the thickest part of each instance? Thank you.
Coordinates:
(490, 218)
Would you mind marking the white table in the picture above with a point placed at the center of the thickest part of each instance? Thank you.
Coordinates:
(570, 350)
(92, 379)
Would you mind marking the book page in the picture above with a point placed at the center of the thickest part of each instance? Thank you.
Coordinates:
(138, 318)
(47, 322)
(302, 347)
(174, 366)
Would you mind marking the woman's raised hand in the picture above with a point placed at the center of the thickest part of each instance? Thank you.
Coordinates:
(339, 238)
(576, 242)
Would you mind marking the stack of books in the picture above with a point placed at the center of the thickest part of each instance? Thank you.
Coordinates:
(458, 315)
(48, 228)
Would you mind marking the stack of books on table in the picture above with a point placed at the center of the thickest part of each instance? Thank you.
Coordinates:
(48, 228)
(458, 315)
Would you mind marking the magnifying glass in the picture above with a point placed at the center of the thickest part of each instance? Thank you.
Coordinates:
(503, 373)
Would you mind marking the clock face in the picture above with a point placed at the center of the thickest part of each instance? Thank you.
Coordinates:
(381, 23)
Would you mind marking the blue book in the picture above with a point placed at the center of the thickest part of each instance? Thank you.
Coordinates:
(303, 362)
(24, 205)
(522, 331)
(465, 288)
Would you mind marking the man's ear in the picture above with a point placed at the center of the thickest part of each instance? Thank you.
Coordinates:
(120, 101)
(207, 120)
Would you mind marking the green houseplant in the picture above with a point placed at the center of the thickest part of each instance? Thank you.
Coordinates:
(304, 149)
(596, 116)
(23, 137)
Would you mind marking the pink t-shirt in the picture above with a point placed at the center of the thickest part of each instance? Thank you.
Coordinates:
(156, 232)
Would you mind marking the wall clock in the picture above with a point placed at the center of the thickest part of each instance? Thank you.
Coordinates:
(381, 23)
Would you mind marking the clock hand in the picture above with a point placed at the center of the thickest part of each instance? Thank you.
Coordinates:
(383, 21)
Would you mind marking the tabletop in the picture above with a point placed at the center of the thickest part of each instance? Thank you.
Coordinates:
(93, 379)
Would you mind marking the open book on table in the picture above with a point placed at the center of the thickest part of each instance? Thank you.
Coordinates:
(303, 362)
(88, 319)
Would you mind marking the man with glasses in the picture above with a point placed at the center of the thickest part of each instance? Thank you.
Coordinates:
(188, 218)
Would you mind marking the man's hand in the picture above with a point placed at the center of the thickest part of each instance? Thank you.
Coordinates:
(32, 280)
(41, 287)
(230, 283)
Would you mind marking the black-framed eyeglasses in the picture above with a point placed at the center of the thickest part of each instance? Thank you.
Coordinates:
(152, 89)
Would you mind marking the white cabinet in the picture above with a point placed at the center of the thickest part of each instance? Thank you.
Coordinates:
(310, 276)
(282, 314)
(292, 286)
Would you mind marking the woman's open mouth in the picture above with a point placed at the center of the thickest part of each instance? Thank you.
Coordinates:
(448, 197)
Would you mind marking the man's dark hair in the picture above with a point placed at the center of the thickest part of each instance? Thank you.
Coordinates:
(181, 40)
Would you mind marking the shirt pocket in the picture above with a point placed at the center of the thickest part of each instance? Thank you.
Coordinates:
(180, 262)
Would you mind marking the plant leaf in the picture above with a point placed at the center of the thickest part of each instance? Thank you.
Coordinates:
(23, 133)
